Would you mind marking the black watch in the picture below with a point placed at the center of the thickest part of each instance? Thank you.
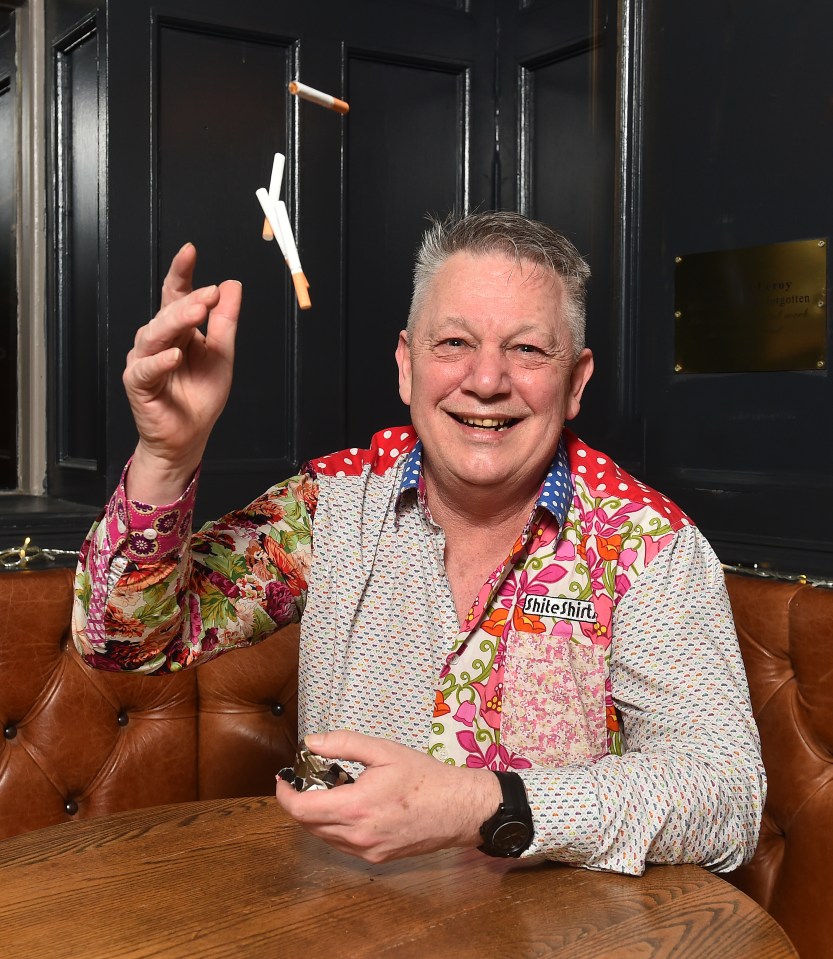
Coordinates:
(509, 832)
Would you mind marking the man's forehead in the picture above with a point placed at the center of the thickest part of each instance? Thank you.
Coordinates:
(466, 282)
(500, 262)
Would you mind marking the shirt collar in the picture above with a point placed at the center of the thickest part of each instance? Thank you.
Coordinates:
(556, 491)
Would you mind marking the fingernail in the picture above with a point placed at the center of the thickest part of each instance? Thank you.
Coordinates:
(185, 246)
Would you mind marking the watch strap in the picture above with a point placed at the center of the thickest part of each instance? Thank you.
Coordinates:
(509, 831)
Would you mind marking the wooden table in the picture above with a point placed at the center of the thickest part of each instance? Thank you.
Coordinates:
(237, 878)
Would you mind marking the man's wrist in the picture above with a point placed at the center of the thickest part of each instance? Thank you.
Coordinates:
(156, 481)
(509, 831)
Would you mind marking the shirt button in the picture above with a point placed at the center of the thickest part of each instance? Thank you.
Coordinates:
(150, 534)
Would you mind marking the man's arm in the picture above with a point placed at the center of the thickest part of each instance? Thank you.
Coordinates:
(148, 596)
(152, 597)
(691, 786)
(690, 789)
(178, 378)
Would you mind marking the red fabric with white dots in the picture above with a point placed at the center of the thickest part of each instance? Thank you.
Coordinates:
(385, 448)
(604, 478)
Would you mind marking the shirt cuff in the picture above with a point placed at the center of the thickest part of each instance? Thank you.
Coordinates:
(144, 533)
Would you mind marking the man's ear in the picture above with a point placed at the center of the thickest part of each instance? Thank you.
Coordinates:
(403, 361)
(582, 371)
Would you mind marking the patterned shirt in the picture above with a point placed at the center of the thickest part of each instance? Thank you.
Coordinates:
(598, 660)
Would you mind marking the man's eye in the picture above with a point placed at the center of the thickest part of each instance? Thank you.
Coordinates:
(528, 348)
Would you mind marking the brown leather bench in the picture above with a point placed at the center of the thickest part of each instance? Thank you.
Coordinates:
(79, 742)
(786, 635)
(83, 743)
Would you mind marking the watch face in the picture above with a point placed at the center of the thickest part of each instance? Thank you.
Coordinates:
(511, 836)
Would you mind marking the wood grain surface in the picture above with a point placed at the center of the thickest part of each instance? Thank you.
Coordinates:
(237, 878)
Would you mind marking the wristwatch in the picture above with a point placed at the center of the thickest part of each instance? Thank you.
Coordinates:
(509, 832)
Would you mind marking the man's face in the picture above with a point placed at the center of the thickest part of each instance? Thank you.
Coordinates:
(489, 374)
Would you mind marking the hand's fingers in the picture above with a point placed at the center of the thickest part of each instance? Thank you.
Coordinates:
(174, 325)
(312, 808)
(180, 276)
(147, 374)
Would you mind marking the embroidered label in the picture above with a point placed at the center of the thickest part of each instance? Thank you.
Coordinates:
(581, 610)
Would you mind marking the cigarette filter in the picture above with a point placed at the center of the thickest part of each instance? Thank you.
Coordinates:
(316, 96)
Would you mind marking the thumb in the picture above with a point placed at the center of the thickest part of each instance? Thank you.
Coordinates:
(222, 320)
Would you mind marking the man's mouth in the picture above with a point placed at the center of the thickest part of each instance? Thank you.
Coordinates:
(496, 423)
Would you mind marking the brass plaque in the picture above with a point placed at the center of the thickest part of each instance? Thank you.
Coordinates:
(753, 309)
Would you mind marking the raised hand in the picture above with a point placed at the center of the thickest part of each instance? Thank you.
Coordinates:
(404, 803)
(178, 378)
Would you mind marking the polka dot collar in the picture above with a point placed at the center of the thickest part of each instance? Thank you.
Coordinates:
(556, 492)
(412, 469)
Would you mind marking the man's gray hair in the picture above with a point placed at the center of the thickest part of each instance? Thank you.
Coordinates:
(516, 236)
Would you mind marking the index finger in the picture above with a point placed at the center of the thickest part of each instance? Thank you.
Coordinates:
(350, 745)
(176, 324)
(179, 279)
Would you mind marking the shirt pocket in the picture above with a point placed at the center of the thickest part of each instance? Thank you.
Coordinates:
(553, 709)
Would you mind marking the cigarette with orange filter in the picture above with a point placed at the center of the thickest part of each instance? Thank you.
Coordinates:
(274, 192)
(293, 261)
(270, 214)
(278, 220)
(316, 96)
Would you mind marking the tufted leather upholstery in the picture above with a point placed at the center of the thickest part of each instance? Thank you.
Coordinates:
(786, 635)
(79, 742)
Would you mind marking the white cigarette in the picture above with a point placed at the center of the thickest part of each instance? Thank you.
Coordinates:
(278, 220)
(274, 192)
(316, 96)
(293, 261)
(277, 177)
(271, 213)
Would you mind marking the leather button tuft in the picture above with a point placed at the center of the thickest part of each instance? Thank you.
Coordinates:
(277, 709)
(71, 806)
(10, 731)
(123, 719)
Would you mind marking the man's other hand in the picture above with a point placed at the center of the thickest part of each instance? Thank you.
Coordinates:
(405, 803)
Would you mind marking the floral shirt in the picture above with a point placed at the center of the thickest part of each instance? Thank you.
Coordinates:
(598, 660)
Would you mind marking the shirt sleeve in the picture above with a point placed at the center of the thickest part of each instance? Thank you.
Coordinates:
(153, 597)
(690, 786)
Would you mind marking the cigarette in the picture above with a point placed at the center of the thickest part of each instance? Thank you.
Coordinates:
(301, 290)
(274, 192)
(278, 219)
(293, 261)
(276, 178)
(316, 96)
(271, 214)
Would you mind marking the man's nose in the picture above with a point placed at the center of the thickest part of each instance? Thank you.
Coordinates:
(488, 373)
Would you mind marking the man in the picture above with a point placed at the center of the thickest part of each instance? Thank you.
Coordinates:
(516, 644)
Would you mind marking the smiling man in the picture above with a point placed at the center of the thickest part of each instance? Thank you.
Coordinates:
(508, 640)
